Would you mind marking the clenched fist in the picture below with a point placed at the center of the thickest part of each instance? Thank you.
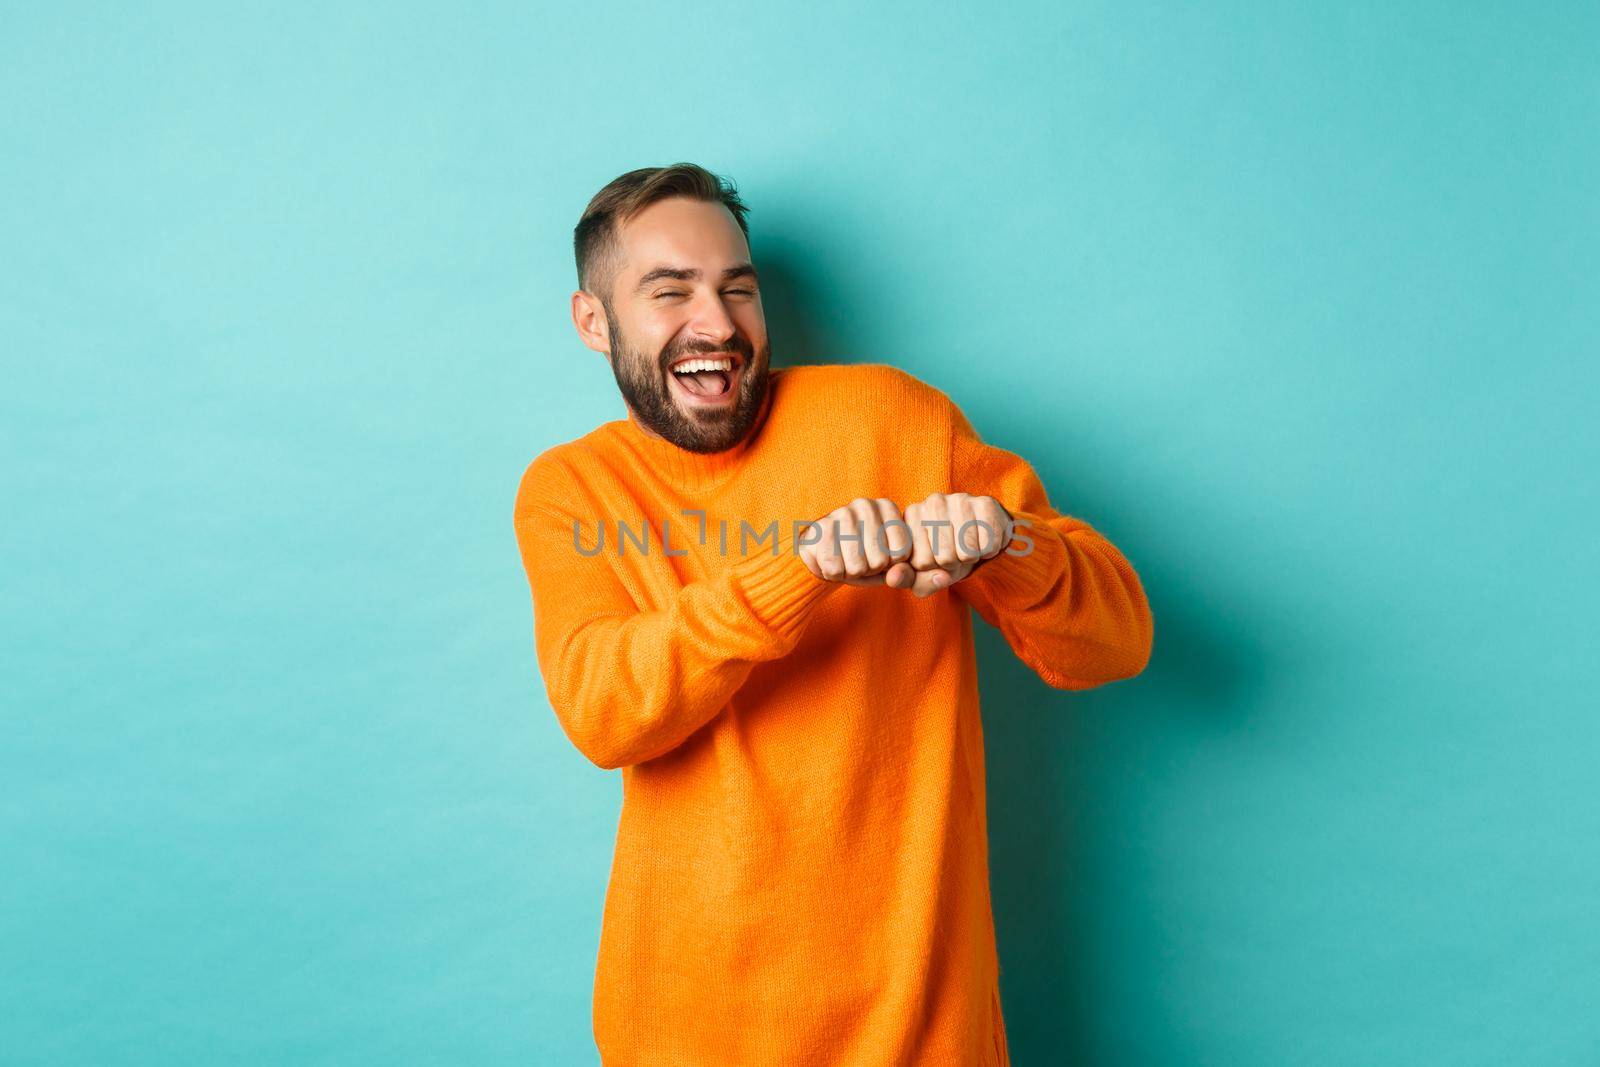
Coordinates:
(952, 533)
(862, 543)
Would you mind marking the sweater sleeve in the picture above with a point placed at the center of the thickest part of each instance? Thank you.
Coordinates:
(1068, 603)
(629, 685)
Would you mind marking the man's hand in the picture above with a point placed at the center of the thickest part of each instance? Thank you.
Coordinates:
(865, 542)
(932, 545)
(951, 534)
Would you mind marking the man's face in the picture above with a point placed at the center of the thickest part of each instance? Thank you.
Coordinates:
(686, 291)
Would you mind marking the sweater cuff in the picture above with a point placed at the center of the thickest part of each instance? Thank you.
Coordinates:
(780, 591)
(1023, 573)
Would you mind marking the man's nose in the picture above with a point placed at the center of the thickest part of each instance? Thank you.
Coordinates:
(710, 318)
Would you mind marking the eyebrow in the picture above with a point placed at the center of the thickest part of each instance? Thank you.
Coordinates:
(742, 270)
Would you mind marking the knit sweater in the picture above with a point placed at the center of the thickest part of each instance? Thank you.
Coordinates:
(801, 865)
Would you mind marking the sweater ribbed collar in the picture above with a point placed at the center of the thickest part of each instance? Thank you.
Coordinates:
(694, 470)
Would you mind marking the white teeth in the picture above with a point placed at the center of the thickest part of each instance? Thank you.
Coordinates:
(702, 364)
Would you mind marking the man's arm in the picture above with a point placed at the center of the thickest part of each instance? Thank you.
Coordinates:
(1071, 608)
(630, 685)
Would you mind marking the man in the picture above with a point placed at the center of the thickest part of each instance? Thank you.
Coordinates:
(750, 596)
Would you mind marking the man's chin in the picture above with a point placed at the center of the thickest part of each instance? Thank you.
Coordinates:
(713, 429)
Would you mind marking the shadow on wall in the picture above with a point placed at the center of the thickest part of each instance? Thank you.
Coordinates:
(1065, 884)
(794, 328)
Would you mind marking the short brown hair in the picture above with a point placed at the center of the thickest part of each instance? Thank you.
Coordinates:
(594, 241)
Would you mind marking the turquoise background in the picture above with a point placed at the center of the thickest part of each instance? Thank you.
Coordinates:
(1297, 304)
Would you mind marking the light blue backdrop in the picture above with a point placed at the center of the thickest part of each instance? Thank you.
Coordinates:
(1297, 306)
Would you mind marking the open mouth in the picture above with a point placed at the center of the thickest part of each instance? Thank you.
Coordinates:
(707, 379)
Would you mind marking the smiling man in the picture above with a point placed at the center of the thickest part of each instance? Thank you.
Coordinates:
(753, 595)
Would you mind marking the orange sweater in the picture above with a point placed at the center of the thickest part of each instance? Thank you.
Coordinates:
(801, 866)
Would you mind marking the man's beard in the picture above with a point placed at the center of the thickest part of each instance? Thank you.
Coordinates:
(643, 381)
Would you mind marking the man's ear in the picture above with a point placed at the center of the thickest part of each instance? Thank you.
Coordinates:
(589, 316)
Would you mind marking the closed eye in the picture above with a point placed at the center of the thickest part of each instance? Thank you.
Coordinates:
(674, 292)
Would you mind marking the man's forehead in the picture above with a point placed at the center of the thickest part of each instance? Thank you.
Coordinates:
(679, 233)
